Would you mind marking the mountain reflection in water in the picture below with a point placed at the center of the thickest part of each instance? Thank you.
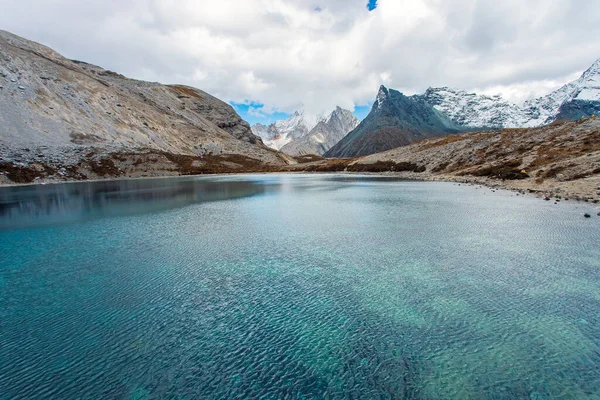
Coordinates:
(22, 206)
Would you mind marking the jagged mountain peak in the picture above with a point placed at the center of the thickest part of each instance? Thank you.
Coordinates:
(282, 132)
(593, 70)
(339, 113)
(305, 134)
(589, 83)
(296, 120)
(471, 110)
(326, 133)
(382, 96)
(395, 120)
(342, 115)
(576, 99)
(338, 110)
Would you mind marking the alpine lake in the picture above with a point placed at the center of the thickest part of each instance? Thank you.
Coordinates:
(296, 286)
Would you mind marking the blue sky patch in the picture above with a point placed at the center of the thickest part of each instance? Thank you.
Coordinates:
(361, 112)
(253, 113)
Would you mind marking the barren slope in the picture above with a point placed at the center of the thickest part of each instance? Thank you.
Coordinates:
(561, 158)
(60, 113)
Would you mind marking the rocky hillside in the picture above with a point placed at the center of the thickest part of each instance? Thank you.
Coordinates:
(67, 119)
(395, 120)
(562, 159)
(328, 131)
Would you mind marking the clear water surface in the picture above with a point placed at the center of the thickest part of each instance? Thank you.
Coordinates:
(295, 286)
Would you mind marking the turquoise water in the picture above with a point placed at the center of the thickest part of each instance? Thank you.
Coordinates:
(292, 286)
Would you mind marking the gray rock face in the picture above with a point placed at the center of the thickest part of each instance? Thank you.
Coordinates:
(576, 109)
(324, 135)
(395, 120)
(60, 107)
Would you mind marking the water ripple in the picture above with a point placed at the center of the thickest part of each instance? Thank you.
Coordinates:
(307, 287)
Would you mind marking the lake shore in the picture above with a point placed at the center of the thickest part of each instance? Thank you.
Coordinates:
(585, 190)
(559, 161)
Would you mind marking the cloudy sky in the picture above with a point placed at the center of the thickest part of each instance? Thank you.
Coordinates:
(270, 57)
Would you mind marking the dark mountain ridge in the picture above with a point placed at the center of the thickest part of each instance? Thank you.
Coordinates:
(395, 120)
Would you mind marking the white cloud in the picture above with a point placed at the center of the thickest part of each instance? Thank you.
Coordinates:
(519, 92)
(256, 111)
(284, 53)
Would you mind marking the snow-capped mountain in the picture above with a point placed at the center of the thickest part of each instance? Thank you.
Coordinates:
(580, 98)
(328, 131)
(572, 101)
(473, 110)
(397, 120)
(297, 135)
(282, 132)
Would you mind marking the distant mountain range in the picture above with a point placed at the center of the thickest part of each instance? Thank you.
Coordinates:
(397, 120)
(297, 136)
(62, 119)
(282, 132)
